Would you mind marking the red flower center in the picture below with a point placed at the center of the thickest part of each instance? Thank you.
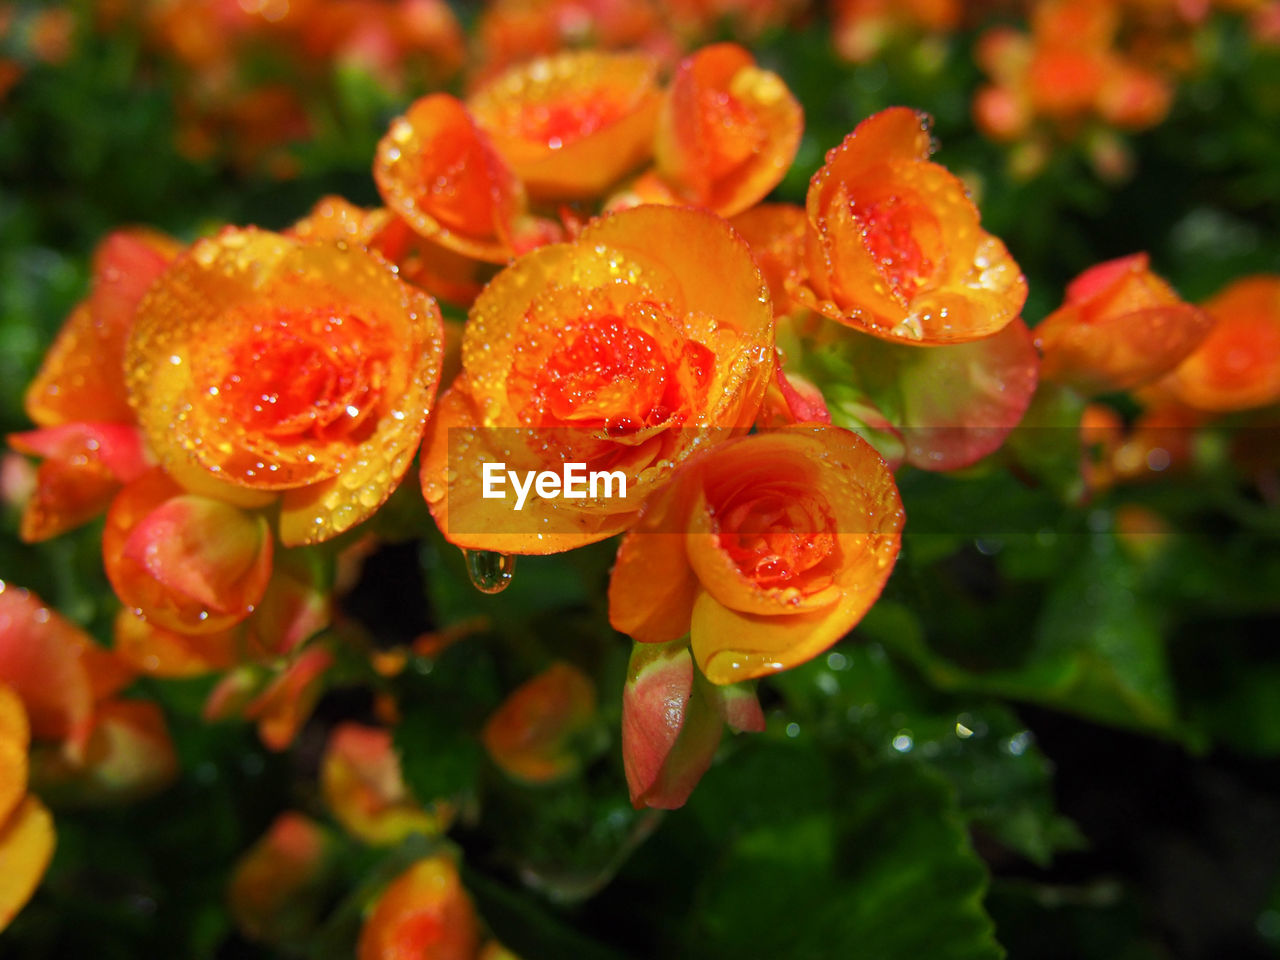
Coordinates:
(621, 374)
(457, 179)
(301, 373)
(570, 118)
(734, 133)
(778, 535)
(897, 233)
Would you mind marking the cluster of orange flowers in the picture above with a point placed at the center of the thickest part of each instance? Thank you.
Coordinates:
(1087, 67)
(1123, 328)
(237, 404)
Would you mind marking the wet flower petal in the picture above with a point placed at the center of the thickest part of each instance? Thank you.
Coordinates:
(268, 363)
(728, 130)
(572, 124)
(648, 336)
(1237, 367)
(894, 247)
(1121, 326)
(439, 172)
(790, 534)
(82, 377)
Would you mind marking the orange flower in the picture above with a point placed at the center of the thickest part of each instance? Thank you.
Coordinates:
(286, 703)
(863, 27)
(58, 671)
(277, 887)
(894, 246)
(766, 550)
(512, 31)
(26, 829)
(728, 130)
(1121, 325)
(573, 124)
(267, 364)
(424, 913)
(439, 171)
(293, 608)
(128, 755)
(530, 736)
(157, 652)
(625, 350)
(672, 723)
(88, 442)
(84, 466)
(185, 562)
(363, 787)
(1237, 367)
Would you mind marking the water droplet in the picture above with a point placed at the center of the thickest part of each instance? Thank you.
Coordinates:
(490, 572)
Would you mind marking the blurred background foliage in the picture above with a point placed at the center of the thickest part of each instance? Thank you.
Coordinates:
(1049, 738)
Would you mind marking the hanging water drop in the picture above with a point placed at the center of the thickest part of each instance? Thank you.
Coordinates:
(490, 572)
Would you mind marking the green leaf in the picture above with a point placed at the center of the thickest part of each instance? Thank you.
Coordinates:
(1096, 648)
(1002, 780)
(886, 874)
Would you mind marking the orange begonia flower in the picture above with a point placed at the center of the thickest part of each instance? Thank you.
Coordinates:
(766, 550)
(530, 736)
(285, 705)
(672, 723)
(728, 130)
(894, 246)
(277, 366)
(128, 755)
(863, 27)
(425, 913)
(277, 886)
(88, 442)
(82, 376)
(439, 172)
(185, 562)
(293, 608)
(57, 670)
(512, 31)
(364, 789)
(84, 466)
(1121, 325)
(573, 124)
(1237, 367)
(626, 350)
(158, 652)
(15, 738)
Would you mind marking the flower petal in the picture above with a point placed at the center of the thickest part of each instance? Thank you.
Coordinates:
(82, 376)
(572, 124)
(728, 130)
(26, 847)
(425, 913)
